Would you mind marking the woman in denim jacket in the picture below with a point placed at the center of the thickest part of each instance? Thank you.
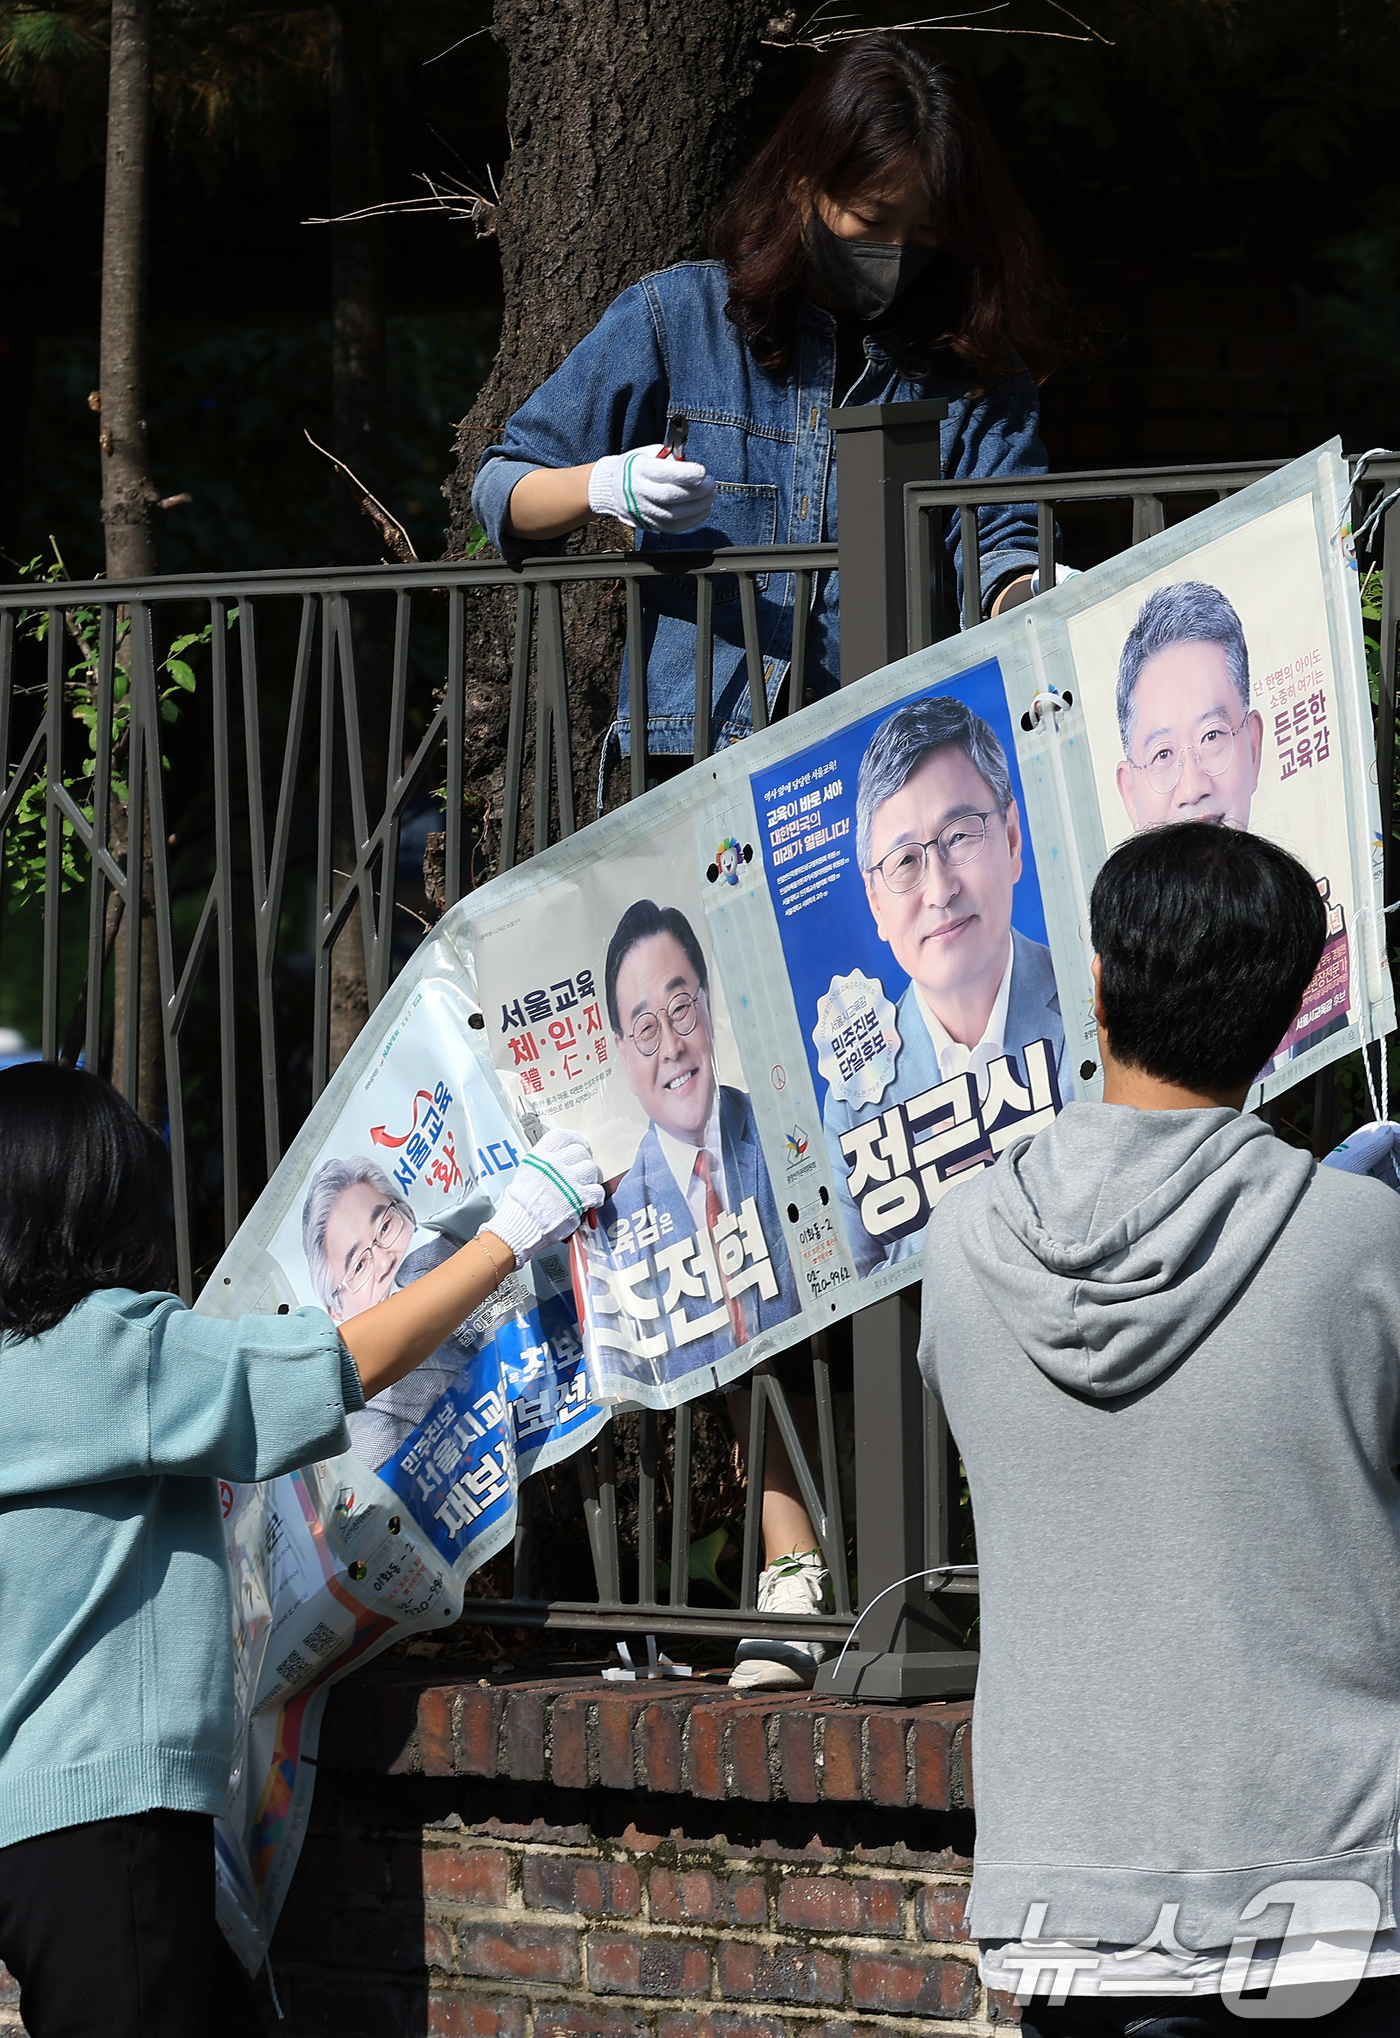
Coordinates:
(873, 252)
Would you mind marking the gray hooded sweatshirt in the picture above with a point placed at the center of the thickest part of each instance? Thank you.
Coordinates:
(1169, 1349)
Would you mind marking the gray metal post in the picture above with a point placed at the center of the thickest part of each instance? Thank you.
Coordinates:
(911, 1646)
(879, 448)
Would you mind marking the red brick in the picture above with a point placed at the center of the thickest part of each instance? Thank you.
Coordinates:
(929, 1742)
(661, 1748)
(460, 2016)
(525, 1736)
(615, 1717)
(478, 1732)
(435, 1749)
(468, 1875)
(797, 1764)
(568, 1732)
(619, 1964)
(518, 1952)
(961, 1767)
(694, 1896)
(912, 1987)
(943, 1912)
(597, 1888)
(578, 2023)
(682, 2024)
(836, 1903)
(885, 1738)
(841, 1756)
(1002, 2008)
(704, 1750)
(786, 1974)
(748, 1749)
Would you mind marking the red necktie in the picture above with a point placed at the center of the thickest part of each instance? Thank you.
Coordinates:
(714, 1210)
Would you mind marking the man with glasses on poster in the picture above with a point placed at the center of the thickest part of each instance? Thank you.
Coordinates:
(1192, 744)
(938, 838)
(699, 1174)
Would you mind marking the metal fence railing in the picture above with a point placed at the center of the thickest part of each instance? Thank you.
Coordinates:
(214, 795)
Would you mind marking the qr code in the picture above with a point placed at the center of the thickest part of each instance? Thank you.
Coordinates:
(320, 1639)
(293, 1667)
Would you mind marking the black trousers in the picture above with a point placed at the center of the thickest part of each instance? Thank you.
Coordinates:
(1373, 2012)
(109, 1930)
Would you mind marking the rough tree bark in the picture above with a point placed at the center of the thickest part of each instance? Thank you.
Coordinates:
(355, 36)
(626, 119)
(129, 496)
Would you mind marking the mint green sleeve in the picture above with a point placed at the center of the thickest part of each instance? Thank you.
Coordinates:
(245, 1397)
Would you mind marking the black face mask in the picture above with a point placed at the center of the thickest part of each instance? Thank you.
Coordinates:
(867, 276)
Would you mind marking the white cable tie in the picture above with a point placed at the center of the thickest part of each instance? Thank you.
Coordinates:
(924, 1571)
(1357, 473)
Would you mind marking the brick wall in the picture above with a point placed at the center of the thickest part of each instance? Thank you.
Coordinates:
(573, 1861)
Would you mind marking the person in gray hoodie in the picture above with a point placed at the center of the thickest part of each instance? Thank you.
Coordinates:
(1168, 1345)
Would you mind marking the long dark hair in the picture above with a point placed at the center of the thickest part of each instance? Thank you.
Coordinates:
(990, 301)
(85, 1196)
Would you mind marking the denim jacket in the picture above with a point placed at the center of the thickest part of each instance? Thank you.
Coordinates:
(664, 346)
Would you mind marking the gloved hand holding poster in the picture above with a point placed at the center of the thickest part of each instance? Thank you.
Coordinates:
(790, 1000)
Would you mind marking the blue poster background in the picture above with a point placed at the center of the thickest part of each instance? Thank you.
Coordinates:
(824, 920)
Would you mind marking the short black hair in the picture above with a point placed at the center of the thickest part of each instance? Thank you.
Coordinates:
(1207, 938)
(639, 923)
(86, 1198)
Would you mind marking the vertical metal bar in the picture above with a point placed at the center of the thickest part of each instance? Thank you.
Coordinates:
(454, 877)
(146, 712)
(379, 977)
(1148, 518)
(53, 833)
(925, 581)
(603, 1554)
(753, 1494)
(1389, 705)
(223, 894)
(636, 688)
(971, 568)
(607, 1511)
(360, 876)
(801, 616)
(7, 691)
(524, 1551)
(831, 1477)
(753, 653)
(138, 763)
(940, 1491)
(704, 662)
(1045, 544)
(646, 1506)
(325, 837)
(680, 1508)
(515, 729)
(101, 836)
(552, 718)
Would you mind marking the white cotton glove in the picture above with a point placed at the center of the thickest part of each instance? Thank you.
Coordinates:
(1062, 574)
(658, 495)
(555, 1183)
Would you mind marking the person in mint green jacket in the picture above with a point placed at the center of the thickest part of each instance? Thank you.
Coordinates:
(119, 1411)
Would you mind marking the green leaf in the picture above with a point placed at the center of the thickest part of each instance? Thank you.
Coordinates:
(181, 673)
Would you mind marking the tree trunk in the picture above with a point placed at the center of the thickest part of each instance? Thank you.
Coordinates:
(626, 119)
(128, 494)
(358, 387)
(129, 497)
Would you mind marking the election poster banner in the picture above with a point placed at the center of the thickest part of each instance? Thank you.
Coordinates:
(791, 999)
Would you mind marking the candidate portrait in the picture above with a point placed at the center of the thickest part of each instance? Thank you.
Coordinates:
(1191, 742)
(699, 1169)
(939, 843)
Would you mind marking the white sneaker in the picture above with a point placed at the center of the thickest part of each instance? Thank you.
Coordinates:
(794, 1584)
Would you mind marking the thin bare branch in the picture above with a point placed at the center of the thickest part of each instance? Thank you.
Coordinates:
(1107, 42)
(389, 527)
(459, 202)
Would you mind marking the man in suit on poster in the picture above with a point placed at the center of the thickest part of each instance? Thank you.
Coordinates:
(938, 839)
(700, 1161)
